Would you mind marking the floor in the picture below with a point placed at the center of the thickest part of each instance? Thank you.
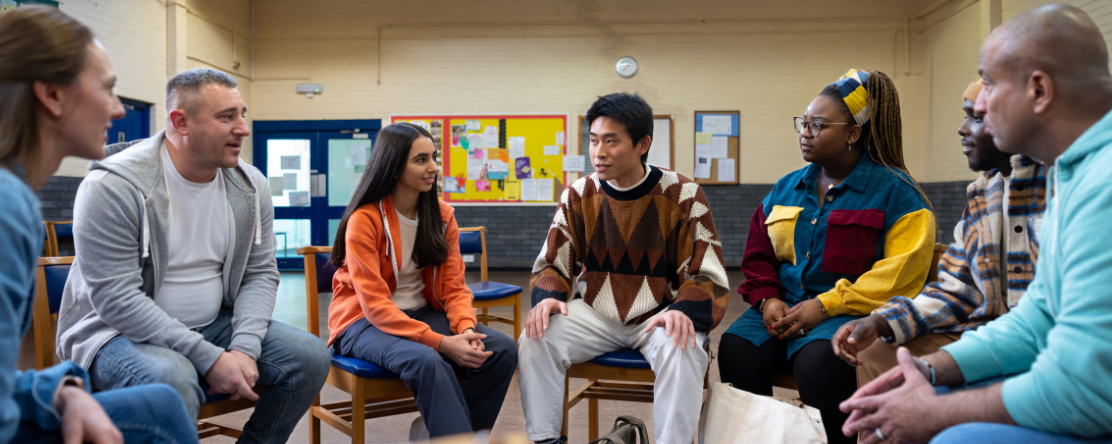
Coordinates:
(291, 309)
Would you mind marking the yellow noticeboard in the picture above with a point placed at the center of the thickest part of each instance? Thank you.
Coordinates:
(498, 158)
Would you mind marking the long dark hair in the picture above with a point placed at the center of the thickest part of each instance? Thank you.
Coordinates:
(37, 44)
(389, 157)
(882, 135)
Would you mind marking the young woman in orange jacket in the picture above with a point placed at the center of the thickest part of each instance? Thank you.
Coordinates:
(399, 297)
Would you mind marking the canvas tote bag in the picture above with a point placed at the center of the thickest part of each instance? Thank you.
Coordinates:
(732, 416)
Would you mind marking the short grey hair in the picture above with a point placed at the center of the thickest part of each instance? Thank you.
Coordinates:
(183, 89)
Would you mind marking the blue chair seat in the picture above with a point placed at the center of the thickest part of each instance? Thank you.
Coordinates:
(361, 368)
(485, 291)
(627, 358)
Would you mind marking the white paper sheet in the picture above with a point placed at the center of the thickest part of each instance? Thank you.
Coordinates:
(718, 125)
(559, 137)
(475, 168)
(289, 181)
(528, 189)
(291, 162)
(422, 123)
(718, 147)
(574, 163)
(702, 151)
(490, 137)
(702, 168)
(451, 185)
(358, 155)
(726, 170)
(544, 190)
(276, 186)
(474, 142)
(516, 147)
(473, 125)
(552, 150)
(299, 198)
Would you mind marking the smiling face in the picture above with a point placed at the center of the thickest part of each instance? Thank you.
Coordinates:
(420, 169)
(90, 107)
(977, 145)
(834, 140)
(216, 131)
(614, 154)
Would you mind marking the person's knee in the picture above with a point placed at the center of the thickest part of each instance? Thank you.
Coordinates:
(666, 350)
(307, 354)
(816, 365)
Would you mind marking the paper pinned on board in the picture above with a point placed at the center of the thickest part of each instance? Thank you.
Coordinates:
(703, 138)
(552, 150)
(291, 162)
(358, 155)
(475, 168)
(474, 142)
(718, 147)
(497, 170)
(516, 147)
(726, 172)
(702, 168)
(718, 124)
(545, 190)
(574, 162)
(559, 137)
(482, 185)
(299, 198)
(451, 185)
(512, 190)
(528, 189)
(523, 169)
(289, 181)
(474, 125)
(490, 136)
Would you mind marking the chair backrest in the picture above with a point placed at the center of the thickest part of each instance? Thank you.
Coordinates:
(472, 240)
(318, 276)
(49, 242)
(50, 277)
(59, 230)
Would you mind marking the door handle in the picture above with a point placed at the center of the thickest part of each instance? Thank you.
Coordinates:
(318, 186)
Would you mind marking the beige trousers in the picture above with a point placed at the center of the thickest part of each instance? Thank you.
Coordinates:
(881, 356)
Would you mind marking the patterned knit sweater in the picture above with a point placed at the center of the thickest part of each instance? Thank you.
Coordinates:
(635, 253)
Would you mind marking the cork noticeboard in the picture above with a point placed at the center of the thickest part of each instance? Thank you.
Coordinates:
(712, 160)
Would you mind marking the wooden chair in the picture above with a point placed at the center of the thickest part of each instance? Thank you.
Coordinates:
(621, 375)
(375, 391)
(59, 229)
(49, 248)
(489, 294)
(787, 381)
(51, 275)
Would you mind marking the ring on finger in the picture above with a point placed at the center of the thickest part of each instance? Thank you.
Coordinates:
(879, 435)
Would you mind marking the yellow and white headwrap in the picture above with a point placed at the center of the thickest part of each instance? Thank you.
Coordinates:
(852, 88)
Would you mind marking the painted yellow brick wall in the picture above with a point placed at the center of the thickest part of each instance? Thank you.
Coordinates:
(767, 63)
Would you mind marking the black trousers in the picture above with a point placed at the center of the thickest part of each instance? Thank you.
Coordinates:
(824, 379)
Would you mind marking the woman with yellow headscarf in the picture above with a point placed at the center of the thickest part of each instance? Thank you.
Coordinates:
(831, 242)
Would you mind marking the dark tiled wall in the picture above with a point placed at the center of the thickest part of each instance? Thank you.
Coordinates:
(515, 233)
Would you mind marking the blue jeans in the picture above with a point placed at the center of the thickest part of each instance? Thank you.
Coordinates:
(447, 406)
(292, 369)
(987, 433)
(150, 414)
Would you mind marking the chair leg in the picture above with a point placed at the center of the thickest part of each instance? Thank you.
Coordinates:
(592, 419)
(564, 423)
(314, 423)
(517, 321)
(485, 322)
(359, 412)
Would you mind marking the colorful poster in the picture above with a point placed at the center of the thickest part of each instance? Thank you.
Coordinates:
(497, 170)
(452, 185)
(459, 132)
(522, 168)
(436, 129)
(482, 185)
(503, 155)
(513, 190)
(474, 142)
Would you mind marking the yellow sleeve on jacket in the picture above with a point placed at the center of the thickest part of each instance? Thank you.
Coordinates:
(908, 256)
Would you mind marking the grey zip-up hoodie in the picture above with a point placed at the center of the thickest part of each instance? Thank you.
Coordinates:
(121, 230)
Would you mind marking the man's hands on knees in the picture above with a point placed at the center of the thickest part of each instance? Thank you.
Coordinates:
(463, 350)
(678, 326)
(537, 322)
(84, 420)
(857, 335)
(235, 373)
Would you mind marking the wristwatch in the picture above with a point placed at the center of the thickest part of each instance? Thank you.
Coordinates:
(760, 305)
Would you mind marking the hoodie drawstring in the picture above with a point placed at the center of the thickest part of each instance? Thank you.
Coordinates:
(258, 220)
(146, 229)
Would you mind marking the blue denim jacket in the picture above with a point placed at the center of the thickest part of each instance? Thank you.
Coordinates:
(24, 396)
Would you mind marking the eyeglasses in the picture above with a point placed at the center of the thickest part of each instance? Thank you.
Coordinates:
(815, 125)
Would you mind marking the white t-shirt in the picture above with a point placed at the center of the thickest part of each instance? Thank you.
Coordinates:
(408, 294)
(193, 289)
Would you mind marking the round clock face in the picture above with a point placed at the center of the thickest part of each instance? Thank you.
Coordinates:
(626, 67)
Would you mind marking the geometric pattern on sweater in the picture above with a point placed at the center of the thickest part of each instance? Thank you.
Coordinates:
(632, 254)
(970, 290)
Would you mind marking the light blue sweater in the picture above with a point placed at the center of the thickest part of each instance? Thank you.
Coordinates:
(1058, 340)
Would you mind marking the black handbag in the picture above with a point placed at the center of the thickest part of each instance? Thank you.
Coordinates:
(627, 430)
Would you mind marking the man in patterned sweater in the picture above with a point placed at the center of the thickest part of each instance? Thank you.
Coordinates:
(982, 275)
(632, 260)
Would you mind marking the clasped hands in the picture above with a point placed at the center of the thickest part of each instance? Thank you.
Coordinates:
(782, 322)
(898, 405)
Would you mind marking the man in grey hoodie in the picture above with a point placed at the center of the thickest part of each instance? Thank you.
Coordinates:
(175, 277)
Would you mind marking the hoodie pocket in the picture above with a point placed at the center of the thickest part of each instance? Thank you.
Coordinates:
(851, 240)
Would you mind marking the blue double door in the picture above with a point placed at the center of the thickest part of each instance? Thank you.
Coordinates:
(313, 167)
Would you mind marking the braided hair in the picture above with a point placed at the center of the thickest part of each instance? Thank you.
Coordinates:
(882, 135)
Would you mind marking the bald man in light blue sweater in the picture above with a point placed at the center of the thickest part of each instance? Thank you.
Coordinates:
(1043, 372)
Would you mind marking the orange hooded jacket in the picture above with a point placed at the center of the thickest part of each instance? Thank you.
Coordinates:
(364, 285)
